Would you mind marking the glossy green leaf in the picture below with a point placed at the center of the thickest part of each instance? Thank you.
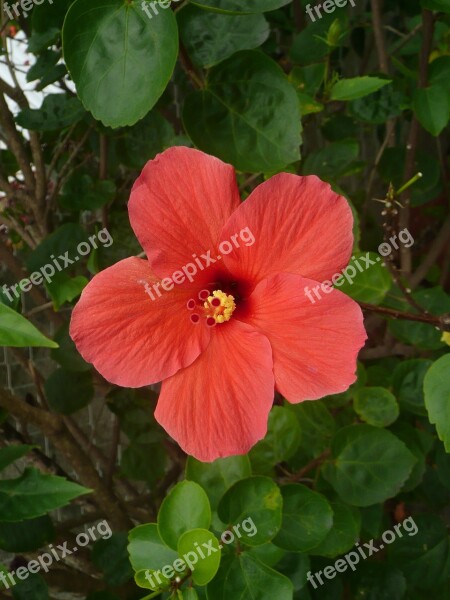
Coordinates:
(147, 550)
(436, 387)
(186, 507)
(234, 117)
(365, 279)
(376, 406)
(120, 58)
(357, 87)
(18, 332)
(243, 576)
(34, 494)
(307, 519)
(258, 499)
(201, 546)
(369, 465)
(210, 37)
(407, 381)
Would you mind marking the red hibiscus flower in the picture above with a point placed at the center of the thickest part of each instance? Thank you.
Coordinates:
(218, 382)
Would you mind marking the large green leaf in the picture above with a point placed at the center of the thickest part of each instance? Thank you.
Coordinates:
(241, 6)
(147, 550)
(120, 58)
(18, 332)
(243, 576)
(365, 282)
(34, 494)
(186, 507)
(344, 533)
(27, 535)
(437, 397)
(369, 465)
(256, 498)
(307, 519)
(211, 37)
(208, 564)
(376, 406)
(248, 114)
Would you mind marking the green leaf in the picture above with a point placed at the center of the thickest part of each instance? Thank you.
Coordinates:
(120, 58)
(407, 381)
(27, 535)
(69, 391)
(67, 354)
(436, 388)
(377, 108)
(211, 37)
(12, 453)
(280, 443)
(422, 335)
(217, 477)
(147, 550)
(111, 557)
(366, 282)
(57, 112)
(198, 542)
(307, 519)
(81, 192)
(236, 6)
(258, 499)
(432, 108)
(357, 87)
(376, 406)
(63, 240)
(248, 114)
(64, 288)
(317, 427)
(34, 494)
(243, 576)
(369, 465)
(145, 140)
(344, 533)
(18, 332)
(332, 161)
(186, 507)
(422, 553)
(379, 580)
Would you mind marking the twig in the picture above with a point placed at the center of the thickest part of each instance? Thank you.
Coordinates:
(442, 322)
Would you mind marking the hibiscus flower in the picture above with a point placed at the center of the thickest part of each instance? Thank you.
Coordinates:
(219, 381)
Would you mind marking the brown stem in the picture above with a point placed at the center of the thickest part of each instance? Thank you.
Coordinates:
(442, 322)
(310, 466)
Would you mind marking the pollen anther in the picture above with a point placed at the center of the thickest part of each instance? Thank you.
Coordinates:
(220, 306)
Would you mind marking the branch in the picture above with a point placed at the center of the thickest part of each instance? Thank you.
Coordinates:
(53, 427)
(442, 322)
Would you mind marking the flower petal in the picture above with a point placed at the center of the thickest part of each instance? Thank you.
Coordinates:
(300, 226)
(131, 339)
(219, 406)
(314, 346)
(179, 205)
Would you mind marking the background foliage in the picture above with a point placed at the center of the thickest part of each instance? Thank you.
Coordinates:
(360, 97)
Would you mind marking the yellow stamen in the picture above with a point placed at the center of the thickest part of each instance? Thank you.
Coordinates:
(224, 310)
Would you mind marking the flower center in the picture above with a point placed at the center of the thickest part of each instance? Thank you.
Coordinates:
(219, 306)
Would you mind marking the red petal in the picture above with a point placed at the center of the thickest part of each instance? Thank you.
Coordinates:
(130, 339)
(314, 346)
(219, 406)
(300, 226)
(179, 205)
